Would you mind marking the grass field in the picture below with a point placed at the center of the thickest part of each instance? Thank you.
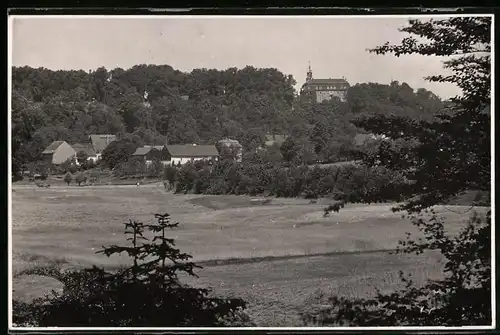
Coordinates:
(339, 254)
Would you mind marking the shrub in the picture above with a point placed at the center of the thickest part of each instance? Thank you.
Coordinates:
(170, 174)
(90, 164)
(187, 176)
(68, 178)
(146, 293)
(82, 157)
(229, 177)
(118, 152)
(80, 178)
(155, 169)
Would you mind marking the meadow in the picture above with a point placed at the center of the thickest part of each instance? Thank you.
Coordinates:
(279, 256)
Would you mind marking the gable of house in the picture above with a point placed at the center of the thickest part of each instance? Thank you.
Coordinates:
(100, 142)
(59, 152)
(142, 151)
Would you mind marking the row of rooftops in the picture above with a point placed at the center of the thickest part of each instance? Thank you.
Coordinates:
(180, 150)
(97, 144)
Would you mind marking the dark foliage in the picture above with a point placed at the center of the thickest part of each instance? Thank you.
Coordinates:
(353, 183)
(80, 178)
(68, 178)
(81, 156)
(118, 152)
(170, 174)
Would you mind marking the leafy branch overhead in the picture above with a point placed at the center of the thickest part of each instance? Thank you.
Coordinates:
(445, 156)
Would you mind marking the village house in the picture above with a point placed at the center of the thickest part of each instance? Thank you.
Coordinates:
(184, 153)
(100, 142)
(58, 152)
(233, 144)
(149, 153)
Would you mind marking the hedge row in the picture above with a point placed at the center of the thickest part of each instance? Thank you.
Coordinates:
(353, 183)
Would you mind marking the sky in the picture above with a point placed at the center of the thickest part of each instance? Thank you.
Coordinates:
(335, 47)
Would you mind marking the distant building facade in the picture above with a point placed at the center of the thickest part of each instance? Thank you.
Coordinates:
(319, 90)
(184, 153)
(149, 153)
(58, 152)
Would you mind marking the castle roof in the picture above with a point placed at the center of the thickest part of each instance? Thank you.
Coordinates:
(337, 83)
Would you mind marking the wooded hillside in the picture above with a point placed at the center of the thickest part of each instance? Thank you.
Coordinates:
(150, 103)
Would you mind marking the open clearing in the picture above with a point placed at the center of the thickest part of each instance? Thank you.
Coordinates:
(66, 225)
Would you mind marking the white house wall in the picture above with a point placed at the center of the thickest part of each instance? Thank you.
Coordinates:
(184, 160)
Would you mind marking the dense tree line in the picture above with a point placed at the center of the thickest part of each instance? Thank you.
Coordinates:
(149, 104)
(258, 178)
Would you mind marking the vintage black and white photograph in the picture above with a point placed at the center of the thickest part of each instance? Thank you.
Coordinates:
(175, 171)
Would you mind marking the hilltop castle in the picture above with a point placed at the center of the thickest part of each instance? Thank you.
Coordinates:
(318, 90)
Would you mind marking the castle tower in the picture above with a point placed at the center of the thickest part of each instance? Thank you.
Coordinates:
(309, 74)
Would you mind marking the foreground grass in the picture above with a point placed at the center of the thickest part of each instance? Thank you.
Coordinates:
(67, 225)
(277, 291)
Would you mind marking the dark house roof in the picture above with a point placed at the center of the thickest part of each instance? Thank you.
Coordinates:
(189, 150)
(52, 147)
(100, 142)
(157, 147)
(87, 148)
(142, 151)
